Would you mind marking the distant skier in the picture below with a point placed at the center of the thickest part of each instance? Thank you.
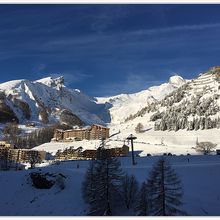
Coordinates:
(188, 160)
(77, 166)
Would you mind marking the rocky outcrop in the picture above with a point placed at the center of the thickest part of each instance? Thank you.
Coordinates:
(6, 113)
(69, 118)
(24, 107)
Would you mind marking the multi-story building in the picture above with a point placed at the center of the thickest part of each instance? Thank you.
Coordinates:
(76, 134)
(114, 152)
(98, 132)
(4, 144)
(93, 132)
(69, 154)
(78, 154)
(20, 155)
(58, 135)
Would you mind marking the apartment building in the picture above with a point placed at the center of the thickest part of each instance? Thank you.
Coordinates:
(93, 132)
(88, 154)
(20, 155)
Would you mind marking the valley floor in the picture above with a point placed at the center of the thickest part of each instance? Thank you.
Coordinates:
(200, 178)
(149, 142)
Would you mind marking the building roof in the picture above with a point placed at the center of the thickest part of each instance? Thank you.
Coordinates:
(100, 126)
(84, 128)
(78, 129)
(60, 130)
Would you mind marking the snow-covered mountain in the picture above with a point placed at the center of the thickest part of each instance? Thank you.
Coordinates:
(178, 104)
(121, 106)
(48, 100)
(193, 106)
(174, 116)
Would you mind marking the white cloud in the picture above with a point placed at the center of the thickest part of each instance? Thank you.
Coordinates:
(176, 28)
(38, 68)
(131, 84)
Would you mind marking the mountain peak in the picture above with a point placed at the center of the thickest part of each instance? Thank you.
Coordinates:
(52, 81)
(43, 101)
(177, 80)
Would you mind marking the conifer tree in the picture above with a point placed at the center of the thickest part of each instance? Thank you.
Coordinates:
(142, 204)
(165, 190)
(89, 184)
(129, 190)
(139, 128)
(104, 199)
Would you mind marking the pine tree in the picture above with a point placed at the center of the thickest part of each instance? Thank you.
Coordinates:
(165, 191)
(139, 128)
(104, 198)
(142, 204)
(129, 190)
(11, 131)
(89, 184)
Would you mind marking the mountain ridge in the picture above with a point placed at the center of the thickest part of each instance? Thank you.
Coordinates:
(46, 99)
(49, 96)
(194, 105)
(123, 105)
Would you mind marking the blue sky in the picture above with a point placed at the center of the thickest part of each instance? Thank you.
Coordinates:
(108, 49)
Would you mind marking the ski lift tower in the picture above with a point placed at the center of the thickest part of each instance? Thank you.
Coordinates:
(131, 137)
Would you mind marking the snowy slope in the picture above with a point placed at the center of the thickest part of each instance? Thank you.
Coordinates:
(121, 106)
(155, 142)
(51, 96)
(149, 142)
(193, 106)
(200, 179)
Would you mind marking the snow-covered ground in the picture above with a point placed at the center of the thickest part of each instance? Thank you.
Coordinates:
(150, 141)
(200, 176)
(157, 142)
(200, 179)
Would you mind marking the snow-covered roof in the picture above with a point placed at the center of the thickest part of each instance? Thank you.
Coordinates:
(100, 126)
(60, 130)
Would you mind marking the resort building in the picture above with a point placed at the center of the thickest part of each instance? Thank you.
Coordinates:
(93, 132)
(89, 154)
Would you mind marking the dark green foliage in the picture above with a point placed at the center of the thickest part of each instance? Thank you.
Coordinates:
(149, 108)
(175, 117)
(11, 131)
(35, 138)
(165, 190)
(88, 185)
(139, 128)
(129, 190)
(142, 206)
(156, 116)
(101, 187)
